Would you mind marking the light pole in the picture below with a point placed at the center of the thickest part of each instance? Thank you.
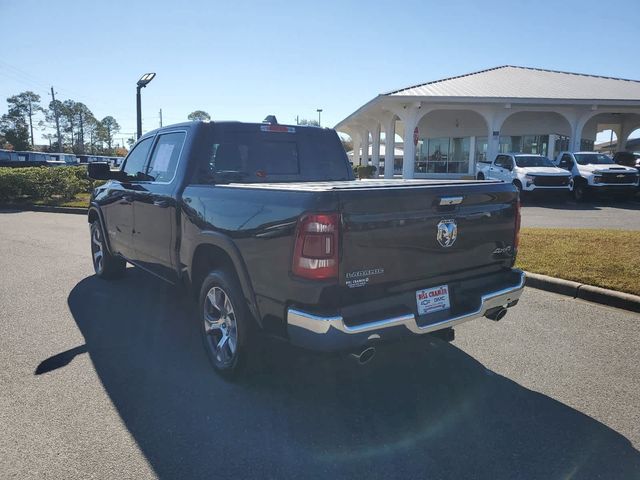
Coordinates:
(319, 110)
(143, 82)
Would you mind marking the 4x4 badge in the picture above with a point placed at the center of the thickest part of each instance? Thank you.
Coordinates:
(447, 233)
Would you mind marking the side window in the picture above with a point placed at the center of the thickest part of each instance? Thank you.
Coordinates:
(509, 162)
(501, 161)
(566, 162)
(165, 156)
(134, 163)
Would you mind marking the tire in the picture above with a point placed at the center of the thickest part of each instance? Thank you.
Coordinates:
(105, 265)
(481, 176)
(580, 191)
(226, 325)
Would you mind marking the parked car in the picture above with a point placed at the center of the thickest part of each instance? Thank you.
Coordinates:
(628, 159)
(595, 172)
(268, 228)
(528, 173)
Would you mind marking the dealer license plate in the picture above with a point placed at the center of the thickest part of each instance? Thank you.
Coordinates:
(431, 300)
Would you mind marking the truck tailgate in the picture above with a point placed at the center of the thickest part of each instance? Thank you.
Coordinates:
(390, 235)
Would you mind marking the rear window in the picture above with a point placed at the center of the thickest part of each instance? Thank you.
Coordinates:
(253, 155)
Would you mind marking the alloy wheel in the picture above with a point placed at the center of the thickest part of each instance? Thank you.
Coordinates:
(220, 327)
(97, 249)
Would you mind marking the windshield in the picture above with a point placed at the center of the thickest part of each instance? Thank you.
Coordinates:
(593, 159)
(533, 161)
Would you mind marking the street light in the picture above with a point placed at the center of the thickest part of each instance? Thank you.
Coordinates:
(319, 113)
(143, 82)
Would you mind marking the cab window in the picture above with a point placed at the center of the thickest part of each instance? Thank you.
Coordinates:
(165, 156)
(135, 161)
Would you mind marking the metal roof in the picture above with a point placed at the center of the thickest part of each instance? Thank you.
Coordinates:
(522, 82)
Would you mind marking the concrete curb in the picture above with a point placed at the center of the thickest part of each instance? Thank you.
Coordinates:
(591, 293)
(44, 208)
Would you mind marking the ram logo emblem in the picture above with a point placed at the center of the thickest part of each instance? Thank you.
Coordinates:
(447, 233)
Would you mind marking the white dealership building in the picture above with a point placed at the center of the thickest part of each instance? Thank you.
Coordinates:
(447, 125)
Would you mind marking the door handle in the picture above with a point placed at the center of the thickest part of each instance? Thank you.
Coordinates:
(161, 203)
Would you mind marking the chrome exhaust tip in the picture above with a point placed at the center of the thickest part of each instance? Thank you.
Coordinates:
(497, 314)
(364, 356)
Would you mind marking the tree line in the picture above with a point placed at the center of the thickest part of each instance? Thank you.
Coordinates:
(79, 130)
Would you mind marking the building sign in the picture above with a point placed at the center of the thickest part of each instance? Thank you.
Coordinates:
(415, 136)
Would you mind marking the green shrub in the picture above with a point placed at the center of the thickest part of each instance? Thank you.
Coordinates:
(44, 183)
(364, 171)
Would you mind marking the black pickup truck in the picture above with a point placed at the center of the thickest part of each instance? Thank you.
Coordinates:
(268, 228)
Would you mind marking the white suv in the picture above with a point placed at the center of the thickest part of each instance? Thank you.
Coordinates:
(528, 172)
(596, 172)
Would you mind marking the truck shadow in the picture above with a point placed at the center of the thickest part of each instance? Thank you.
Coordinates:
(425, 410)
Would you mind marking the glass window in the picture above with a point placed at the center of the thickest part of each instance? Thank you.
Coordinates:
(482, 145)
(272, 158)
(421, 158)
(501, 160)
(135, 161)
(593, 159)
(459, 155)
(533, 161)
(304, 154)
(586, 145)
(443, 155)
(535, 144)
(164, 159)
(438, 155)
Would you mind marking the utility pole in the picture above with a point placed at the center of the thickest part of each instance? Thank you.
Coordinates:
(319, 110)
(160, 118)
(31, 123)
(81, 137)
(57, 117)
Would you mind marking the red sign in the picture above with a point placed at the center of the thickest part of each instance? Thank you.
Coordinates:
(415, 136)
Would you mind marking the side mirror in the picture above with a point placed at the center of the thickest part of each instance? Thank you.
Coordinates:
(101, 171)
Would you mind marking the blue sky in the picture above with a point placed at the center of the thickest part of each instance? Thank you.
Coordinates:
(242, 60)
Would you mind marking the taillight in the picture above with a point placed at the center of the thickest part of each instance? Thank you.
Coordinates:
(516, 240)
(315, 253)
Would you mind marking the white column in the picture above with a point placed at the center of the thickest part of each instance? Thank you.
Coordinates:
(493, 144)
(375, 146)
(389, 146)
(551, 146)
(622, 135)
(576, 136)
(472, 156)
(356, 150)
(365, 147)
(410, 120)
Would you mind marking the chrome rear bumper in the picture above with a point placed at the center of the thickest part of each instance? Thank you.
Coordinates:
(331, 333)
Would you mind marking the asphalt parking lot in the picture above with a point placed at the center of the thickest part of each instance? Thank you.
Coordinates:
(109, 380)
(602, 213)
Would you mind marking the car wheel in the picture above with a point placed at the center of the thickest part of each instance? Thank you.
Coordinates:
(225, 322)
(481, 176)
(105, 265)
(580, 192)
